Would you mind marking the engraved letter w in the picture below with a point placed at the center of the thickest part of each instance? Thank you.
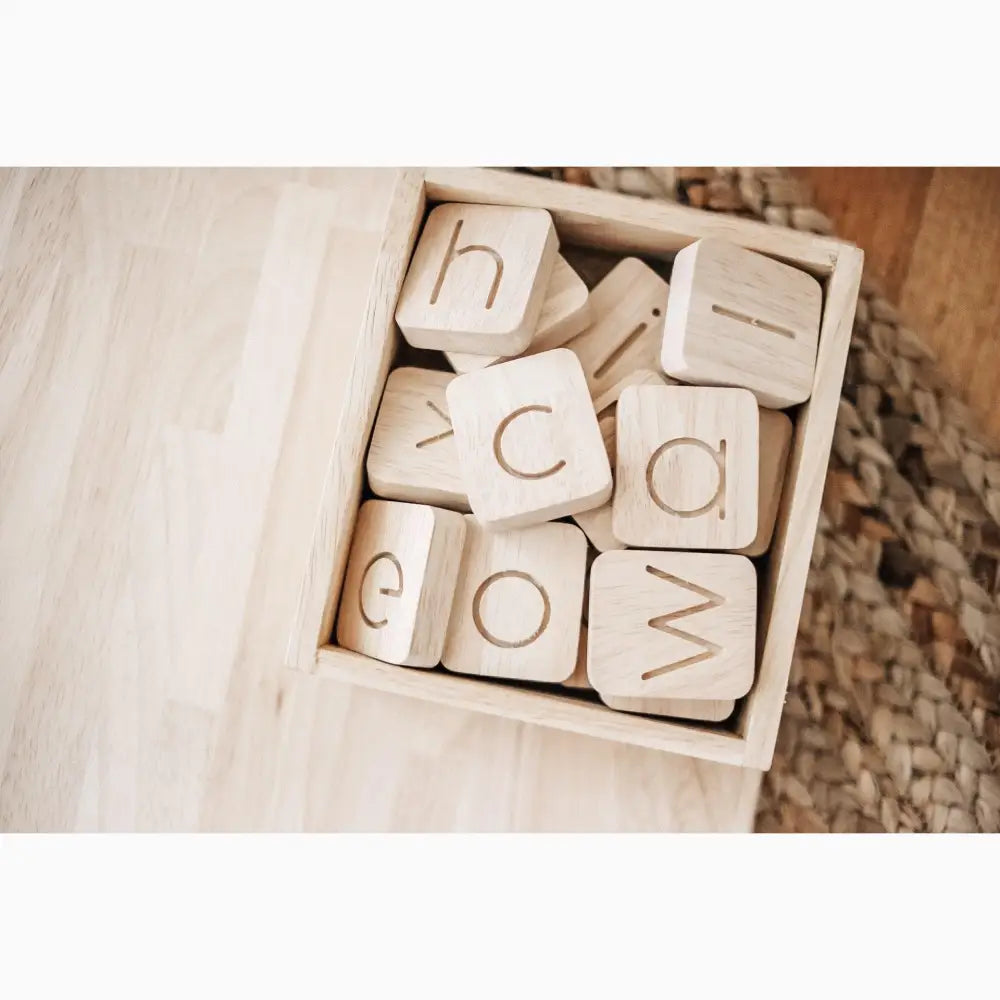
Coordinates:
(453, 253)
(661, 622)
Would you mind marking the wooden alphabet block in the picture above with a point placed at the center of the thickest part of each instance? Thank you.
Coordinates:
(686, 475)
(627, 308)
(672, 625)
(400, 582)
(412, 454)
(739, 318)
(528, 441)
(565, 312)
(478, 278)
(518, 603)
(596, 523)
(695, 709)
(775, 445)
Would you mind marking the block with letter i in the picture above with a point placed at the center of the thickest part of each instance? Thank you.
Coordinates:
(478, 279)
(668, 625)
(400, 582)
(528, 440)
(687, 467)
(738, 318)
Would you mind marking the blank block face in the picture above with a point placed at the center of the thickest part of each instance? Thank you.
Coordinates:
(565, 312)
(641, 376)
(686, 475)
(628, 309)
(412, 454)
(518, 604)
(478, 278)
(528, 440)
(596, 523)
(775, 445)
(677, 708)
(672, 625)
(739, 318)
(400, 582)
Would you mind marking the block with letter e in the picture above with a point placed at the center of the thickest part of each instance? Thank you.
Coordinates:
(400, 582)
(672, 625)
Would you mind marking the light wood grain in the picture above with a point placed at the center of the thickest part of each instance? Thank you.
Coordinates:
(518, 603)
(478, 279)
(739, 318)
(596, 523)
(678, 708)
(672, 625)
(412, 453)
(687, 467)
(528, 441)
(565, 312)
(400, 582)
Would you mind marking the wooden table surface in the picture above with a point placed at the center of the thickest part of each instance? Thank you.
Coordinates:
(167, 343)
(932, 236)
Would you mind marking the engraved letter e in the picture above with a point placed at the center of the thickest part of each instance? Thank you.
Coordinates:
(453, 253)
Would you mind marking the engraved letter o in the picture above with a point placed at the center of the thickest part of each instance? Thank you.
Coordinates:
(477, 615)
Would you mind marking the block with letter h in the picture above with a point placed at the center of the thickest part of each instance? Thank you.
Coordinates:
(478, 279)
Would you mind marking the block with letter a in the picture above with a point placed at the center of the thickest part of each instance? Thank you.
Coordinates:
(412, 454)
(672, 625)
(687, 466)
(528, 440)
(478, 279)
(518, 603)
(400, 582)
(736, 317)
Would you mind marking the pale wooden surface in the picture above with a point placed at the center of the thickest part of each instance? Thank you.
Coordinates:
(774, 435)
(170, 342)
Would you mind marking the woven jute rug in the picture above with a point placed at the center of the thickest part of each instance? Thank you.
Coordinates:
(892, 720)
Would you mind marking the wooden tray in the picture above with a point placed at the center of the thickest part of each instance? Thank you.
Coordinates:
(589, 218)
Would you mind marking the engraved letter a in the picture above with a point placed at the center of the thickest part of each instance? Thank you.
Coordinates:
(453, 253)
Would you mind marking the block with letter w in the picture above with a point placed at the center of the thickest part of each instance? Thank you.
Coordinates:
(672, 624)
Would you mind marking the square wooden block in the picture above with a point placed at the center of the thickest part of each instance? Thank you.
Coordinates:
(672, 625)
(528, 440)
(412, 454)
(400, 582)
(565, 312)
(518, 604)
(478, 278)
(775, 445)
(628, 309)
(696, 709)
(739, 318)
(686, 475)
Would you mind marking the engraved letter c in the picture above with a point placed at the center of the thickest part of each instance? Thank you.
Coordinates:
(498, 446)
(385, 591)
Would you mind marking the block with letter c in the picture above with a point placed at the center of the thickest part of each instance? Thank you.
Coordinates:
(528, 441)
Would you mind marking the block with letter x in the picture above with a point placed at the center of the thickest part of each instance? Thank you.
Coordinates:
(672, 624)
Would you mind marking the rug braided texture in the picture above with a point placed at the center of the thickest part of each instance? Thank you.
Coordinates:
(891, 721)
